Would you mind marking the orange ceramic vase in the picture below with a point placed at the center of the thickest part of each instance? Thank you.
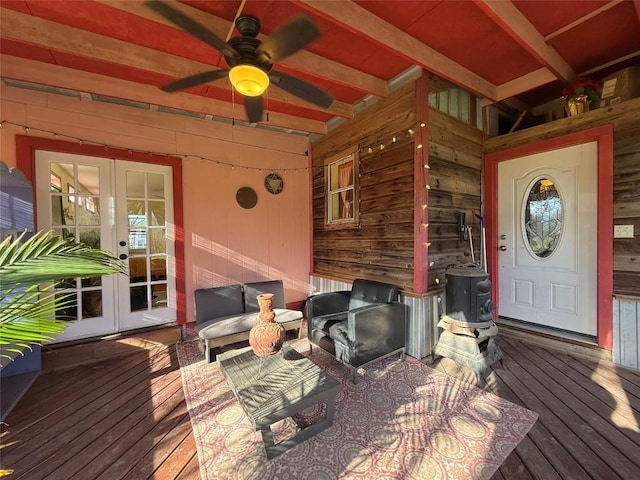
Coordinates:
(267, 336)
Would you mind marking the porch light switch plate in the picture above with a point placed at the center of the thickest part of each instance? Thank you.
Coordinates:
(623, 231)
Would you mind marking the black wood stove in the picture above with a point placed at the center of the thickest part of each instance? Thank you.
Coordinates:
(468, 331)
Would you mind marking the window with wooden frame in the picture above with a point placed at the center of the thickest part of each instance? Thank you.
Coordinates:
(342, 207)
(453, 101)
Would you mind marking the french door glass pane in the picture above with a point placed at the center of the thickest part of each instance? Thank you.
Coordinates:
(75, 204)
(146, 211)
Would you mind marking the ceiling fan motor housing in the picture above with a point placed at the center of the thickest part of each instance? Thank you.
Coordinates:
(246, 49)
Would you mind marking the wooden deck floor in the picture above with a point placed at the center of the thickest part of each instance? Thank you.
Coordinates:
(125, 418)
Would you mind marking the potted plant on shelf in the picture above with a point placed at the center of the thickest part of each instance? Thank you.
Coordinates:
(582, 95)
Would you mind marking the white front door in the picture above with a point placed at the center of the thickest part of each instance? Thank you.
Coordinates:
(547, 226)
(108, 204)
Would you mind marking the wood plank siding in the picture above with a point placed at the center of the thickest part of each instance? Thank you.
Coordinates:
(455, 179)
(381, 245)
(126, 418)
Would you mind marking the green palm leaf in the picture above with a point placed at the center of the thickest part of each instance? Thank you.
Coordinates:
(30, 271)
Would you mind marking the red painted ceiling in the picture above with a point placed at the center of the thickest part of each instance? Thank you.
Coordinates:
(500, 50)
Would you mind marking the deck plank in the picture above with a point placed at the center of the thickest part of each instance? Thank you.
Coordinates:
(126, 418)
(619, 428)
(80, 415)
(594, 432)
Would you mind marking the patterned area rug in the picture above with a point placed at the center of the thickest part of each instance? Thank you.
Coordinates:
(403, 420)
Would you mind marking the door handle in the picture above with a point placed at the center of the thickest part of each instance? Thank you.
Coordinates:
(123, 256)
(502, 248)
(503, 237)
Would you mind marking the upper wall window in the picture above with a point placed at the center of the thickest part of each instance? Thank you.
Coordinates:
(341, 190)
(453, 101)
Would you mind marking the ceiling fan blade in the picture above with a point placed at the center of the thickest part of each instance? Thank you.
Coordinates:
(289, 38)
(301, 89)
(253, 106)
(192, 27)
(194, 80)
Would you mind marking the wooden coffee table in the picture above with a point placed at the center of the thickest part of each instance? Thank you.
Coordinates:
(276, 387)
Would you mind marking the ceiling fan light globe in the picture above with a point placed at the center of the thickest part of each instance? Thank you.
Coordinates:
(249, 80)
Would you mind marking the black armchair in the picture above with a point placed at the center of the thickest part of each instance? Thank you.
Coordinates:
(358, 326)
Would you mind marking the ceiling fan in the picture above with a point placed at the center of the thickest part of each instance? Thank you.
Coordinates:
(250, 60)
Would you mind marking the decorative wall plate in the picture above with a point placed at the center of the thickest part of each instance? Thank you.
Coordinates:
(273, 183)
(246, 197)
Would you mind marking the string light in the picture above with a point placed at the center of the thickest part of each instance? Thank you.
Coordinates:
(130, 151)
(394, 138)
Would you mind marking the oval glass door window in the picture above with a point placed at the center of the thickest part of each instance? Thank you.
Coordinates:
(543, 218)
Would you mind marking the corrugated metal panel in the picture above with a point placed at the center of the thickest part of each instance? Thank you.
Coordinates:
(423, 315)
(626, 333)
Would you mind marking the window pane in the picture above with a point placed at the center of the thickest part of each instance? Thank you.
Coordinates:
(155, 185)
(70, 311)
(88, 210)
(88, 180)
(453, 102)
(90, 237)
(92, 304)
(159, 296)
(138, 297)
(543, 218)
(137, 269)
(135, 184)
(156, 214)
(159, 268)
(157, 240)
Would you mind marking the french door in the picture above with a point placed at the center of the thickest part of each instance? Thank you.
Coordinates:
(547, 226)
(125, 208)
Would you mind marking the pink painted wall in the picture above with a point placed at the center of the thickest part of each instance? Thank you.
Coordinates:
(224, 243)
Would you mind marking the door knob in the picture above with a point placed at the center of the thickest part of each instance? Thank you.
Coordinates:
(503, 237)
(123, 256)
(502, 248)
(123, 243)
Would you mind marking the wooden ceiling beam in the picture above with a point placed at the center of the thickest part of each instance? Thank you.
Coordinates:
(48, 34)
(535, 79)
(517, 26)
(582, 19)
(36, 72)
(354, 18)
(303, 61)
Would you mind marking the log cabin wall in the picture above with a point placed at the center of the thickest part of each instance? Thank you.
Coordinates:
(455, 158)
(381, 245)
(625, 119)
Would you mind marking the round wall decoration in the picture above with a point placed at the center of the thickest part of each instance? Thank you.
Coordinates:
(246, 197)
(273, 183)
